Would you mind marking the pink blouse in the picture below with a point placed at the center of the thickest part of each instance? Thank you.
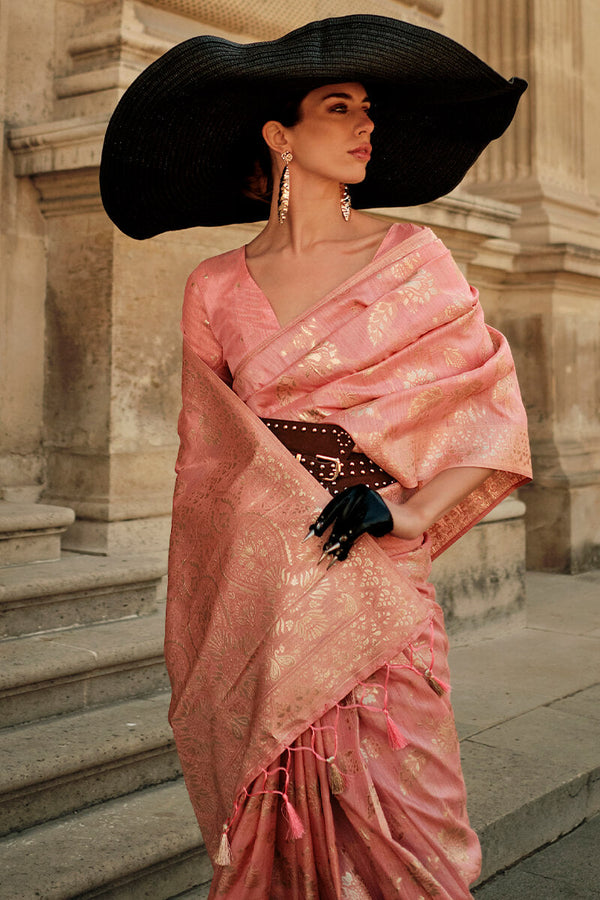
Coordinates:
(225, 306)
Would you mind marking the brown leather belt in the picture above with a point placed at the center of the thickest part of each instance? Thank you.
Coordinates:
(325, 451)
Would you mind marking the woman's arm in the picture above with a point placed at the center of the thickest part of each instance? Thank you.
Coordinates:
(434, 500)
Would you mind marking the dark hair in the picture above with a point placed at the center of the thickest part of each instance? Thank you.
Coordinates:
(258, 183)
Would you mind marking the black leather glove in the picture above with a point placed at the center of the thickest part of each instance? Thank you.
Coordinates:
(352, 512)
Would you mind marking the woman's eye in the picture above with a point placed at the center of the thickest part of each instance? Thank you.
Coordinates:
(339, 107)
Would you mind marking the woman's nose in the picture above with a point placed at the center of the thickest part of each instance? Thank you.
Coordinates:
(365, 125)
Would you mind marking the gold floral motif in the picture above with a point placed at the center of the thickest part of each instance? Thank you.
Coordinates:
(312, 415)
(426, 401)
(412, 768)
(322, 359)
(444, 734)
(286, 389)
(279, 661)
(418, 290)
(455, 841)
(353, 887)
(379, 321)
(504, 390)
(349, 763)
(417, 376)
(421, 877)
(454, 358)
(370, 749)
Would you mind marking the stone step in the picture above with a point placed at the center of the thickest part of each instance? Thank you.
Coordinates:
(31, 532)
(197, 893)
(143, 846)
(65, 671)
(522, 794)
(68, 763)
(528, 715)
(77, 590)
(516, 820)
(527, 712)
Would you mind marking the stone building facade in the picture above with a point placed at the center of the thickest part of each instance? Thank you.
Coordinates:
(90, 343)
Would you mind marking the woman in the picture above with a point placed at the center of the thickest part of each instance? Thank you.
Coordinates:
(310, 702)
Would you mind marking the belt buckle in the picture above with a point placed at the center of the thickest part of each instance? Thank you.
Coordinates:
(337, 469)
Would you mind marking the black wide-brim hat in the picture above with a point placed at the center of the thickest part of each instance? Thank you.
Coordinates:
(184, 135)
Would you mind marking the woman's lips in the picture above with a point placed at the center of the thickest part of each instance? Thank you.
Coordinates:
(362, 153)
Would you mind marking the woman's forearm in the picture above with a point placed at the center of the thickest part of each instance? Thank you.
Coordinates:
(434, 500)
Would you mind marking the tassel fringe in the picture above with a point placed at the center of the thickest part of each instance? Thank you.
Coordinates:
(337, 781)
(436, 684)
(396, 738)
(296, 826)
(223, 857)
(337, 785)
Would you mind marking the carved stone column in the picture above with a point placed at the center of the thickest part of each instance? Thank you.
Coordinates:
(550, 301)
(540, 162)
(112, 358)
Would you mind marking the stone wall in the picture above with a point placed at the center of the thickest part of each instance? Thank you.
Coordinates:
(550, 304)
(90, 339)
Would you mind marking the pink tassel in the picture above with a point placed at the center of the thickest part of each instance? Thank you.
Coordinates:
(296, 826)
(396, 738)
(223, 857)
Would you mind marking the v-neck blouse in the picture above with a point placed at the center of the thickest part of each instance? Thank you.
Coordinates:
(228, 309)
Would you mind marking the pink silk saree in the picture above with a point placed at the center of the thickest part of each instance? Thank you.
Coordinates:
(310, 707)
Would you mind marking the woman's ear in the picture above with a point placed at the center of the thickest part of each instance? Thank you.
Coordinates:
(275, 137)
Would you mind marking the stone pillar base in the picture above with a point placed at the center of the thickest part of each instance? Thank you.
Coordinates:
(563, 527)
(130, 536)
(480, 580)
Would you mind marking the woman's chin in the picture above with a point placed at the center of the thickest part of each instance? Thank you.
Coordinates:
(356, 179)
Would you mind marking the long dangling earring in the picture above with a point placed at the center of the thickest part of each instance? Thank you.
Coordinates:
(284, 187)
(345, 201)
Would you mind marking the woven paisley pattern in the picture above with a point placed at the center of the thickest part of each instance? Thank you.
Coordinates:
(250, 617)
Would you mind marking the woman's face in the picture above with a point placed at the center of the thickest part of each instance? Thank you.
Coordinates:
(333, 136)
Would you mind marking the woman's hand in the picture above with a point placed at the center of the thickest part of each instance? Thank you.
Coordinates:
(409, 521)
(352, 512)
(359, 510)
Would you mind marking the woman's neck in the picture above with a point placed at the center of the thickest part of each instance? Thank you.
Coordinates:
(314, 214)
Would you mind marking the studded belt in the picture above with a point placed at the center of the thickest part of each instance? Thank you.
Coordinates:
(326, 452)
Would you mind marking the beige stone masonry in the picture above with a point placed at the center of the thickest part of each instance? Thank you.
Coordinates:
(552, 317)
(547, 163)
(268, 19)
(77, 590)
(65, 671)
(90, 391)
(541, 161)
(31, 532)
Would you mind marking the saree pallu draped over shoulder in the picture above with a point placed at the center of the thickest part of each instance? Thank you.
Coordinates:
(401, 358)
(280, 669)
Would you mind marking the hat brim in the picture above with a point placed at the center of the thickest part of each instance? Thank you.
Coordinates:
(177, 145)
